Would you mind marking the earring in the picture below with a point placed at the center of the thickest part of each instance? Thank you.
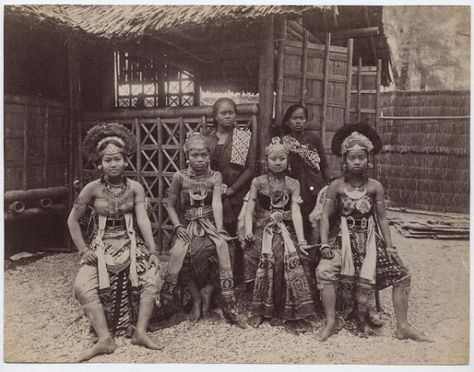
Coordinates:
(99, 167)
(125, 165)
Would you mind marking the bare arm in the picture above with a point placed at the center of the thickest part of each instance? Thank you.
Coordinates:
(143, 221)
(217, 202)
(296, 212)
(77, 212)
(382, 215)
(250, 211)
(298, 219)
(328, 211)
(174, 191)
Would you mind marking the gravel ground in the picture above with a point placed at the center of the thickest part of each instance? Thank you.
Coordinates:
(43, 321)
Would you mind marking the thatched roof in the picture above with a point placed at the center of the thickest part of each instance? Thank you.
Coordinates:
(220, 43)
(132, 21)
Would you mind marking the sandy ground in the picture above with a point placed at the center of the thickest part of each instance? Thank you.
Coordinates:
(43, 321)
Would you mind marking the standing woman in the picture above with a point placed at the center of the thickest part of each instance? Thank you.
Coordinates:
(116, 283)
(357, 253)
(234, 156)
(307, 161)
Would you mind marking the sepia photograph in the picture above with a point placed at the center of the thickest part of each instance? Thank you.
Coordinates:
(236, 184)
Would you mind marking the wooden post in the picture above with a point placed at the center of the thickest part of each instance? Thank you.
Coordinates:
(347, 112)
(265, 89)
(46, 147)
(74, 106)
(161, 185)
(25, 149)
(139, 155)
(359, 88)
(280, 72)
(304, 67)
(378, 82)
(324, 109)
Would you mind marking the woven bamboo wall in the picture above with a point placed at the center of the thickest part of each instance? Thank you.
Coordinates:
(36, 135)
(425, 163)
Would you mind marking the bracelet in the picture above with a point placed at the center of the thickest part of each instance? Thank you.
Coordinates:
(323, 246)
(392, 249)
(82, 251)
(154, 253)
(176, 227)
(302, 242)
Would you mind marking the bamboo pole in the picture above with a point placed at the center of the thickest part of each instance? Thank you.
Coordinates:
(46, 147)
(347, 112)
(304, 67)
(50, 192)
(382, 117)
(161, 186)
(25, 149)
(169, 112)
(359, 88)
(280, 73)
(265, 89)
(324, 109)
(182, 139)
(35, 212)
(138, 133)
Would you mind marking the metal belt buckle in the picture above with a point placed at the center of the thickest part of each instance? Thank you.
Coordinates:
(199, 212)
(363, 223)
(277, 216)
(352, 221)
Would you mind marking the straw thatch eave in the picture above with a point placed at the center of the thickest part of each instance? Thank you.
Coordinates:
(124, 22)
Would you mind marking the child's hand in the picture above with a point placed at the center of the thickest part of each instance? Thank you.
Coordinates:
(183, 234)
(393, 256)
(249, 236)
(304, 248)
(89, 257)
(154, 261)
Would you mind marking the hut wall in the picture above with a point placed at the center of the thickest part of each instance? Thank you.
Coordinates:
(425, 163)
(36, 142)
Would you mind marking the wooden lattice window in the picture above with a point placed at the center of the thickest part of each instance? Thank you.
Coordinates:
(140, 83)
(179, 88)
(136, 81)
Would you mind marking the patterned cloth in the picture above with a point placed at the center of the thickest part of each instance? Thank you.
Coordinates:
(205, 258)
(309, 156)
(360, 264)
(240, 146)
(281, 286)
(122, 275)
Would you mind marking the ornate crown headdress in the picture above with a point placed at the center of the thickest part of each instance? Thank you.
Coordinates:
(109, 132)
(193, 140)
(355, 141)
(276, 146)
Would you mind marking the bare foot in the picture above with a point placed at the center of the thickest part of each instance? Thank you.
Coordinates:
(142, 339)
(304, 326)
(408, 332)
(196, 312)
(105, 346)
(206, 293)
(276, 322)
(255, 320)
(328, 330)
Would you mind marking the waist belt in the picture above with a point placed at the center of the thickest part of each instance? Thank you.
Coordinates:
(357, 223)
(115, 222)
(271, 216)
(196, 213)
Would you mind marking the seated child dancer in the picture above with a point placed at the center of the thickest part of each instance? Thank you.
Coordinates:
(271, 259)
(199, 255)
(357, 252)
(117, 281)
